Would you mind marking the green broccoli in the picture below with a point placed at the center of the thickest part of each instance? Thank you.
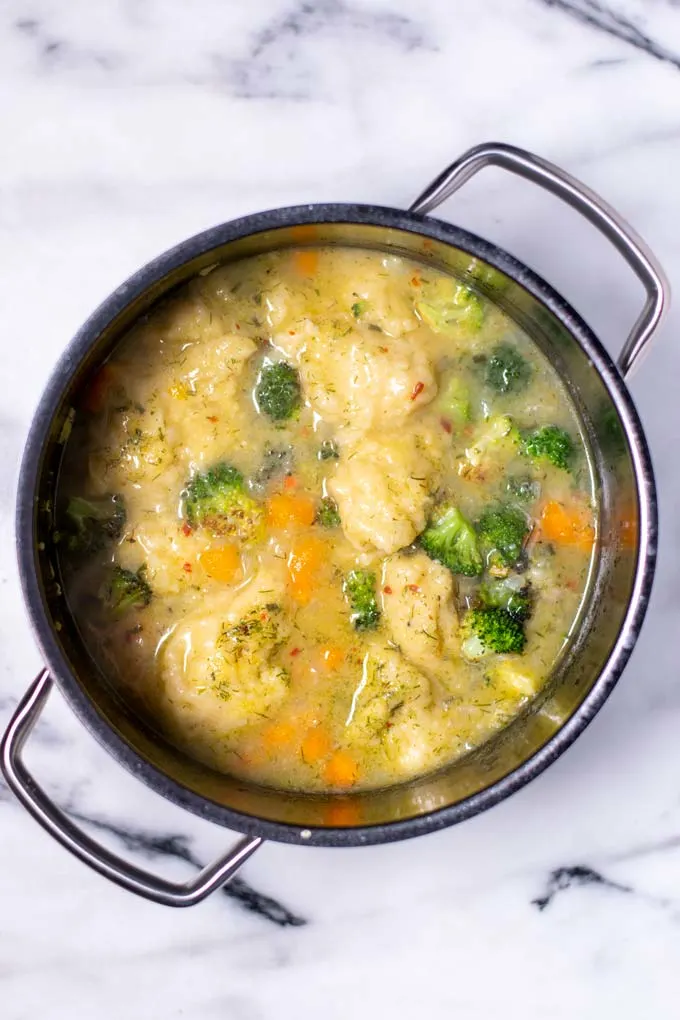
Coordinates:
(485, 630)
(506, 370)
(90, 523)
(502, 532)
(511, 593)
(523, 488)
(450, 539)
(453, 400)
(448, 305)
(327, 515)
(359, 588)
(277, 391)
(328, 450)
(549, 443)
(126, 590)
(217, 500)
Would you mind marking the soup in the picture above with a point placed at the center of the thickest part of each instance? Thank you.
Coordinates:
(326, 519)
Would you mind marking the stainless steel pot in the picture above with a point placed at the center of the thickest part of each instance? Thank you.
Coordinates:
(620, 586)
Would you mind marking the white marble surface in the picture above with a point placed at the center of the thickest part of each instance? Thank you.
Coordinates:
(129, 124)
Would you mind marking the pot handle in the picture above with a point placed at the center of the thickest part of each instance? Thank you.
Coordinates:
(54, 821)
(533, 168)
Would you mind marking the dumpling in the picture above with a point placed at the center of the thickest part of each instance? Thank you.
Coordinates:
(417, 605)
(393, 705)
(383, 487)
(358, 377)
(220, 668)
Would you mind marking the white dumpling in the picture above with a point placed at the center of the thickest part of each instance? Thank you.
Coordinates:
(219, 666)
(418, 609)
(382, 486)
(393, 705)
(358, 377)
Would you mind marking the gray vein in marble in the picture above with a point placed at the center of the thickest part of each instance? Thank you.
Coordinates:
(603, 17)
(178, 848)
(576, 876)
(278, 63)
(54, 52)
(562, 879)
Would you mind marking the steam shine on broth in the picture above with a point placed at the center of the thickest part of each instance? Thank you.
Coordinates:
(326, 519)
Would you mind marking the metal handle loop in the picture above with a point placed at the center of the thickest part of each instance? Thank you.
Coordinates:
(54, 821)
(634, 250)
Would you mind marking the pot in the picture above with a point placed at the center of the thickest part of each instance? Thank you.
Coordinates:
(619, 588)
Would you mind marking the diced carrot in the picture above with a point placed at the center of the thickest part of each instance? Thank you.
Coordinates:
(567, 526)
(278, 735)
(306, 261)
(221, 563)
(306, 559)
(341, 770)
(94, 396)
(343, 812)
(289, 508)
(316, 745)
(332, 657)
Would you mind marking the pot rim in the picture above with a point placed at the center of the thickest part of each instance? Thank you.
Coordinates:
(30, 473)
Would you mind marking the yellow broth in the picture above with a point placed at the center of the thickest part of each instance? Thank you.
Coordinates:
(245, 650)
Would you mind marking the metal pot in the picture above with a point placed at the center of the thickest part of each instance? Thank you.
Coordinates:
(619, 591)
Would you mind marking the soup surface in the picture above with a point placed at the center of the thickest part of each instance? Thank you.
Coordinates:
(326, 519)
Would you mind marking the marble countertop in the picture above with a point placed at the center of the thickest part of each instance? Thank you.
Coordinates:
(130, 124)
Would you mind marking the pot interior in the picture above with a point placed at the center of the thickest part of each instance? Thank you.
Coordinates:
(618, 589)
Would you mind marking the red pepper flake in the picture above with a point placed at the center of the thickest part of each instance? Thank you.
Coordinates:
(291, 332)
(387, 589)
(186, 528)
(289, 482)
(413, 587)
(238, 325)
(264, 616)
(446, 425)
(295, 651)
(417, 390)
(213, 418)
(415, 281)
(383, 350)
(187, 568)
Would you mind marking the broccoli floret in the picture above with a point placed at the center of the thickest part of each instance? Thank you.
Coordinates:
(485, 630)
(277, 391)
(126, 590)
(447, 305)
(327, 515)
(523, 488)
(359, 588)
(506, 370)
(550, 443)
(502, 531)
(217, 500)
(328, 450)
(450, 539)
(511, 593)
(453, 400)
(91, 523)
